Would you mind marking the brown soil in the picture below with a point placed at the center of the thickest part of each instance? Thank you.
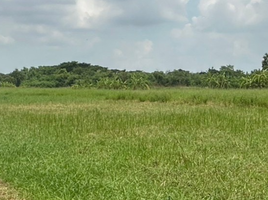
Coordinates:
(6, 193)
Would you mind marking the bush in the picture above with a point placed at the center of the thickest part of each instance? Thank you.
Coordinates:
(39, 84)
(7, 84)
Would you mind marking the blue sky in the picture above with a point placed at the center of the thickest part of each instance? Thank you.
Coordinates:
(143, 35)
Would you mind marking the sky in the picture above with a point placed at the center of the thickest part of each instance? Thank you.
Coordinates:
(147, 35)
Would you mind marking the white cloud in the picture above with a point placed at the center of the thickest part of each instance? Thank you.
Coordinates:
(136, 34)
(149, 12)
(117, 53)
(224, 32)
(137, 50)
(205, 5)
(93, 41)
(90, 14)
(143, 49)
(174, 10)
(186, 32)
(133, 55)
(6, 40)
(88, 11)
(43, 35)
(231, 14)
(240, 48)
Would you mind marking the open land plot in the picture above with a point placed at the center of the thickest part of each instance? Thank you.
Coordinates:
(158, 144)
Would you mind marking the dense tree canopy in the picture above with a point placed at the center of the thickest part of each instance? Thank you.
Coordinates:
(265, 62)
(78, 75)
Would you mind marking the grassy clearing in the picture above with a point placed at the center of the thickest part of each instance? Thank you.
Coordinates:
(198, 96)
(97, 144)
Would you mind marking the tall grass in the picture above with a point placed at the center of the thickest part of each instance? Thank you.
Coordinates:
(194, 96)
(88, 145)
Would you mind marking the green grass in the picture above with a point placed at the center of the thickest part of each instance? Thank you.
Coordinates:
(159, 144)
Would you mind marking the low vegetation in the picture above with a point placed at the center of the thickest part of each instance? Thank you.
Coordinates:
(123, 144)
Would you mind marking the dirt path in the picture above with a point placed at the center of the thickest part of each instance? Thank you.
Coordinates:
(6, 193)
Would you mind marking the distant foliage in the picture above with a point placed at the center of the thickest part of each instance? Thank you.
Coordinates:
(7, 84)
(265, 62)
(115, 83)
(258, 79)
(83, 75)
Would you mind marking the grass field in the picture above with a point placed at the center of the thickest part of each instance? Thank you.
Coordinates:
(172, 144)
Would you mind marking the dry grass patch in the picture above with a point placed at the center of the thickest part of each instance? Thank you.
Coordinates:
(7, 193)
(120, 106)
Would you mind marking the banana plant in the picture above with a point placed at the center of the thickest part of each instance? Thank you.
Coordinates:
(137, 81)
(260, 80)
(246, 82)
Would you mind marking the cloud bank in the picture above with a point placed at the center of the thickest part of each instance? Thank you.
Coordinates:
(134, 34)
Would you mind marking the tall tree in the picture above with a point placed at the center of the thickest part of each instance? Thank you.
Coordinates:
(265, 62)
(18, 77)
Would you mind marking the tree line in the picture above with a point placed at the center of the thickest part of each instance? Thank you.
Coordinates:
(84, 75)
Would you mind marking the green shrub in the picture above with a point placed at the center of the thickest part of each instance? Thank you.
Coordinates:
(7, 84)
(39, 84)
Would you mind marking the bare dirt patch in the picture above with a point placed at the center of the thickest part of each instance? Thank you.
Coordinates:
(7, 193)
